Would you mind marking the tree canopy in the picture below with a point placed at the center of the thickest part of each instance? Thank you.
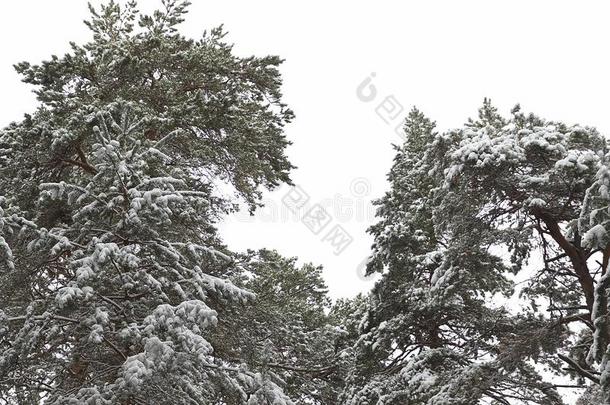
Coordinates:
(492, 244)
(467, 211)
(113, 276)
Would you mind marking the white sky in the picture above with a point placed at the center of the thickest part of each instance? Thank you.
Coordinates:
(443, 56)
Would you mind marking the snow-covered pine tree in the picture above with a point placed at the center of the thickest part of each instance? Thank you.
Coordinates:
(291, 328)
(594, 226)
(466, 209)
(112, 275)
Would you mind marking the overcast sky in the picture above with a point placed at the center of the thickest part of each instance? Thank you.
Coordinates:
(444, 57)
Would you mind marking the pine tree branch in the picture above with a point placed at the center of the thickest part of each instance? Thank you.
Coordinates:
(83, 160)
(86, 168)
(576, 255)
(581, 371)
(583, 317)
(114, 347)
(550, 309)
(43, 318)
(303, 370)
